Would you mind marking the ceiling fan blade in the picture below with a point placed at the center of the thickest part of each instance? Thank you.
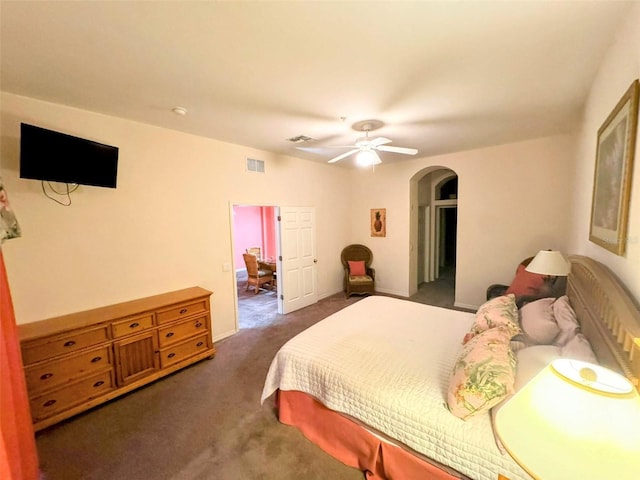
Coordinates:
(318, 150)
(379, 141)
(406, 151)
(340, 157)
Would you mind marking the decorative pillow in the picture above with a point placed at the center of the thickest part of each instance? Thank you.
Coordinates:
(483, 375)
(356, 268)
(497, 312)
(526, 283)
(579, 348)
(538, 321)
(566, 320)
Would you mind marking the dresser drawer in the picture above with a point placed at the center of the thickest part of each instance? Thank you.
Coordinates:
(176, 332)
(56, 401)
(131, 325)
(37, 350)
(42, 377)
(180, 351)
(181, 311)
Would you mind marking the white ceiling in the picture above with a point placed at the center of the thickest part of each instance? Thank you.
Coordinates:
(443, 75)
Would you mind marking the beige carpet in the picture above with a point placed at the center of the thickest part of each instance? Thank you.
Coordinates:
(204, 422)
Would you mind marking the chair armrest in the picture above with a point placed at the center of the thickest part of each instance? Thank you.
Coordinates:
(496, 290)
(371, 272)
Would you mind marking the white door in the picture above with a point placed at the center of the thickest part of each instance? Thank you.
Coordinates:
(297, 276)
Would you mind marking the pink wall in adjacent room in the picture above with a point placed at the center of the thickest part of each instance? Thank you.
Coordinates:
(253, 226)
(269, 232)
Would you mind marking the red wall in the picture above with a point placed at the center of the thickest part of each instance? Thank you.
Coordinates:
(253, 226)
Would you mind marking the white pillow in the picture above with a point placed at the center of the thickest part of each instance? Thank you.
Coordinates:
(567, 321)
(538, 321)
(579, 348)
(532, 360)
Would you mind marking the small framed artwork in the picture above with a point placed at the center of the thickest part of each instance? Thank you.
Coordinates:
(378, 222)
(613, 171)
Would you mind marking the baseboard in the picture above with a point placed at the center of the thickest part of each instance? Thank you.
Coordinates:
(224, 335)
(327, 295)
(466, 306)
(392, 292)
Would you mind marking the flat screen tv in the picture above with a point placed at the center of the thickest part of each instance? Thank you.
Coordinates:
(57, 157)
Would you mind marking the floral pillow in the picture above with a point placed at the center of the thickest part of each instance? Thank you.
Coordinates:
(497, 312)
(484, 373)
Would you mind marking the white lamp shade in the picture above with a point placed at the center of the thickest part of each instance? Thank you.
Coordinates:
(562, 426)
(549, 262)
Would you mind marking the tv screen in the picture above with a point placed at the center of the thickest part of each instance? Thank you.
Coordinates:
(58, 157)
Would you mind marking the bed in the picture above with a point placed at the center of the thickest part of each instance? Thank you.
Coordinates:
(369, 384)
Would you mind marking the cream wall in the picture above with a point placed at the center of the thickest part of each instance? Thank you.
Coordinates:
(619, 68)
(167, 225)
(513, 200)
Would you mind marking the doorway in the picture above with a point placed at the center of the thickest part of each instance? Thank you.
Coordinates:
(254, 229)
(285, 240)
(437, 222)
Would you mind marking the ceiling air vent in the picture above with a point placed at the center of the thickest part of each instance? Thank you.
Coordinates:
(299, 139)
(254, 165)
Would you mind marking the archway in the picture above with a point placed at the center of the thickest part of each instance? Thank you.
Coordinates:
(434, 204)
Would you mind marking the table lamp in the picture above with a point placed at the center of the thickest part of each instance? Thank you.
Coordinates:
(574, 420)
(549, 262)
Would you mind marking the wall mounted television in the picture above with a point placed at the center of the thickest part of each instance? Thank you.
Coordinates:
(57, 157)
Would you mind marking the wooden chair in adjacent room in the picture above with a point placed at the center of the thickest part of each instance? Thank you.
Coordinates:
(256, 276)
(359, 277)
(255, 251)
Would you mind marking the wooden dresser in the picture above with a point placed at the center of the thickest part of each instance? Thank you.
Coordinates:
(77, 361)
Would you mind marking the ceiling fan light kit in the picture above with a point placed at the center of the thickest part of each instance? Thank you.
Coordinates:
(367, 158)
(366, 147)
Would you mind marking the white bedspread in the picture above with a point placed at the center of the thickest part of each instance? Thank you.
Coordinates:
(387, 362)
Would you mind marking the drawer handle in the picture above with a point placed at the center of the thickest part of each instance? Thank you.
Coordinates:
(200, 344)
(48, 403)
(98, 383)
(169, 335)
(171, 355)
(134, 325)
(70, 343)
(96, 359)
(46, 375)
(198, 325)
(184, 310)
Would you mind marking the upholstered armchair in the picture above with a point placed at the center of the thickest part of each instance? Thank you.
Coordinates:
(256, 276)
(359, 277)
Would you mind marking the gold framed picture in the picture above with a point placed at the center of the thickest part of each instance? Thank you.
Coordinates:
(378, 222)
(613, 172)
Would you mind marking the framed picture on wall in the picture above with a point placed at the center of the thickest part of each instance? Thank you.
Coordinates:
(378, 222)
(613, 172)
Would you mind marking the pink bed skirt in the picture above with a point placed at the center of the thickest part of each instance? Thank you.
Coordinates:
(348, 442)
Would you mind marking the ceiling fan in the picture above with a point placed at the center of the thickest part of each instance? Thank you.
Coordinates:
(366, 147)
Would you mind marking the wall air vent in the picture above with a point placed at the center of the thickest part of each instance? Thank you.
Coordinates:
(254, 165)
(299, 139)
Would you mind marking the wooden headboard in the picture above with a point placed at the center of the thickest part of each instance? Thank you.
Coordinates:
(608, 315)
